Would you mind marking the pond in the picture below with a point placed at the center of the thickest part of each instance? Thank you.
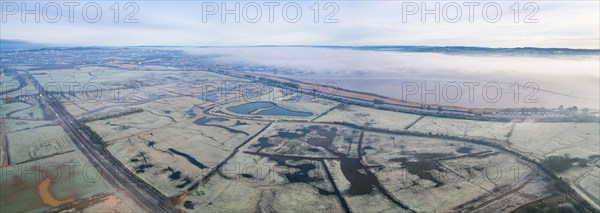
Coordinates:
(266, 108)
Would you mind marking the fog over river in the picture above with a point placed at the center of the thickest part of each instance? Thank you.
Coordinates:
(459, 78)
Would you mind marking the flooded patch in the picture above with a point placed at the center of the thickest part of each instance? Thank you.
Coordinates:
(189, 158)
(464, 150)
(399, 160)
(290, 135)
(175, 175)
(141, 168)
(362, 180)
(300, 176)
(263, 143)
(47, 197)
(430, 156)
(423, 170)
(249, 176)
(424, 165)
(312, 149)
(240, 123)
(186, 181)
(205, 121)
(188, 205)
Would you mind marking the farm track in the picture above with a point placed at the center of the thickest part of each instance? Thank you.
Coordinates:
(337, 192)
(505, 194)
(109, 167)
(541, 201)
(204, 179)
(9, 115)
(586, 192)
(414, 122)
(402, 132)
(66, 126)
(40, 126)
(46, 156)
(512, 129)
(326, 112)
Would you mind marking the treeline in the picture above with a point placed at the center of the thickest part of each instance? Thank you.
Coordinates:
(277, 83)
(109, 116)
(87, 131)
(94, 137)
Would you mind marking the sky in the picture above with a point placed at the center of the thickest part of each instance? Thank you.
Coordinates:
(564, 24)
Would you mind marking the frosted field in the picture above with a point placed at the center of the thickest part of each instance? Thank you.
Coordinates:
(93, 102)
(79, 108)
(251, 183)
(541, 140)
(538, 188)
(22, 110)
(460, 180)
(345, 141)
(281, 99)
(172, 157)
(13, 125)
(112, 203)
(34, 112)
(590, 184)
(463, 128)
(129, 125)
(585, 181)
(178, 109)
(172, 143)
(110, 78)
(37, 143)
(7, 109)
(157, 114)
(152, 86)
(8, 83)
(107, 113)
(46, 170)
(369, 117)
(374, 202)
(67, 183)
(26, 90)
(83, 75)
(8, 80)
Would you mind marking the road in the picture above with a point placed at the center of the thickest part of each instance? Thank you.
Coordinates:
(110, 168)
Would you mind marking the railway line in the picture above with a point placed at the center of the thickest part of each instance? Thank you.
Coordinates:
(110, 168)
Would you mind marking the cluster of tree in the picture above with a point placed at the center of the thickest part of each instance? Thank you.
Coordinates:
(129, 112)
(561, 163)
(91, 134)
(274, 82)
(571, 109)
(378, 102)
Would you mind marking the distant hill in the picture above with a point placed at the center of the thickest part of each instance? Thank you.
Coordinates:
(9, 45)
(464, 50)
